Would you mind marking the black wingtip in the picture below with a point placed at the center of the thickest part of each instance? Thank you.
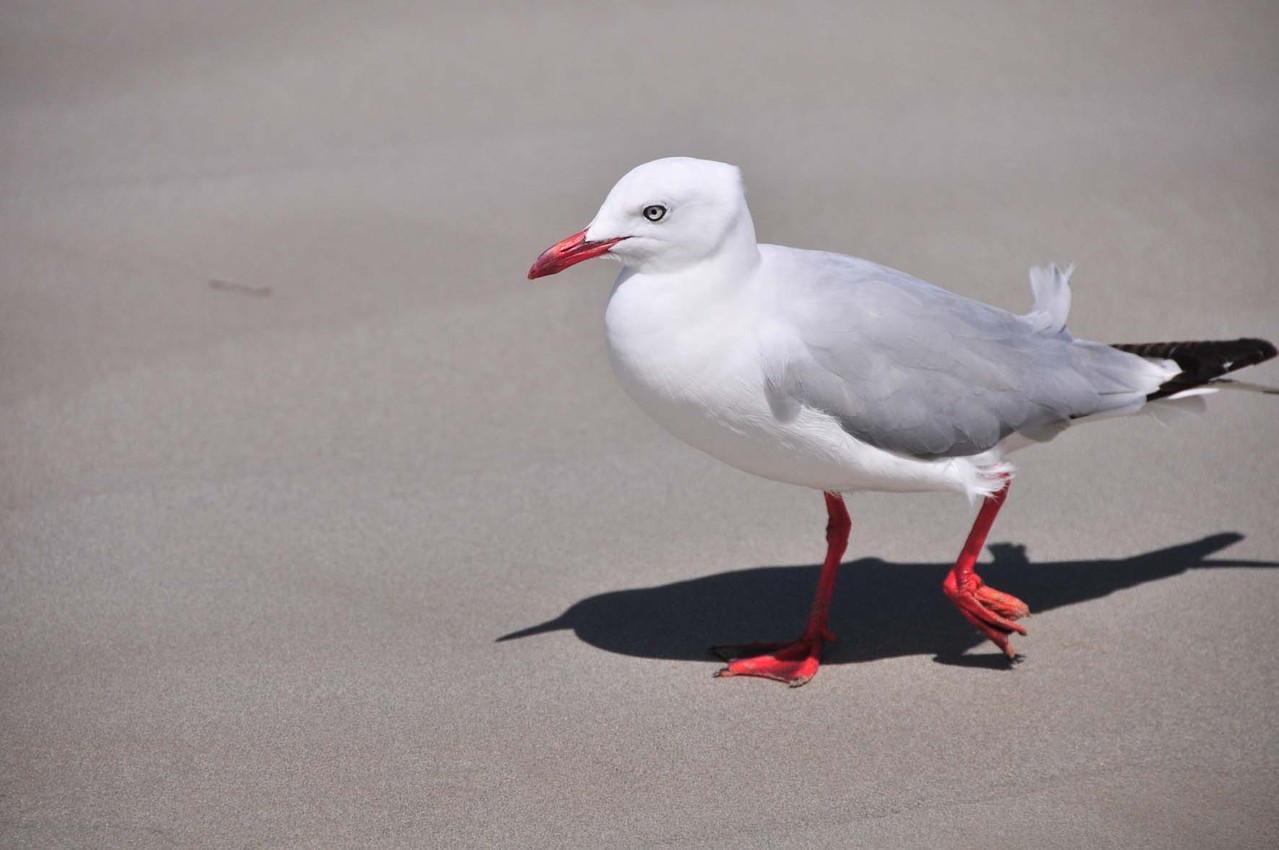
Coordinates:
(1202, 361)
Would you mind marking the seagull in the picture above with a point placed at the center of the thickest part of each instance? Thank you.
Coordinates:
(839, 374)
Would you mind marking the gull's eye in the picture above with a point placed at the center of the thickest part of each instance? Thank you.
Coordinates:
(654, 212)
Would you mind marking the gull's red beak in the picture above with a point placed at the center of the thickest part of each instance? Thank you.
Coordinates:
(569, 252)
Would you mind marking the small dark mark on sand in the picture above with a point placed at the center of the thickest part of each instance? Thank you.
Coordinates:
(240, 288)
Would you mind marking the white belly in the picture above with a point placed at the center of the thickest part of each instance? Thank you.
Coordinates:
(700, 376)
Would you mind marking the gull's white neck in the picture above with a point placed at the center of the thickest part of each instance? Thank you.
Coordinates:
(677, 302)
(679, 340)
(737, 254)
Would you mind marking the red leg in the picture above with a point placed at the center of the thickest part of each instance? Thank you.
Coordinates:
(796, 662)
(990, 610)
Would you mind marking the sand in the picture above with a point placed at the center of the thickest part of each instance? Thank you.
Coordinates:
(289, 441)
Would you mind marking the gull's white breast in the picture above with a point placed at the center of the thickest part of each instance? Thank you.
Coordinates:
(689, 353)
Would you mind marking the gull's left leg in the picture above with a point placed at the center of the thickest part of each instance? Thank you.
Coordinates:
(990, 610)
(795, 662)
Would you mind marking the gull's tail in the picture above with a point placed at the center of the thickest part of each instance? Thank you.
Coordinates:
(1203, 363)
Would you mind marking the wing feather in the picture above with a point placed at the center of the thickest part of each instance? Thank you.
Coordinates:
(912, 368)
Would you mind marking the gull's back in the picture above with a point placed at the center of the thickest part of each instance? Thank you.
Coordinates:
(912, 368)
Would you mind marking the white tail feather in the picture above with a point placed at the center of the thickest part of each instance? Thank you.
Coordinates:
(1051, 288)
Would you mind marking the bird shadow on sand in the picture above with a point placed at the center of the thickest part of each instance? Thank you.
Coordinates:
(880, 609)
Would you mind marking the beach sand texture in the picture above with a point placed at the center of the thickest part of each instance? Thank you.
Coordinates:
(288, 441)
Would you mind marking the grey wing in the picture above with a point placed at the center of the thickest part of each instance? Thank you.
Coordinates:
(914, 369)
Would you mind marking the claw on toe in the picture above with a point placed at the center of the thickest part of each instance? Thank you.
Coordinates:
(794, 663)
(990, 611)
(1004, 604)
